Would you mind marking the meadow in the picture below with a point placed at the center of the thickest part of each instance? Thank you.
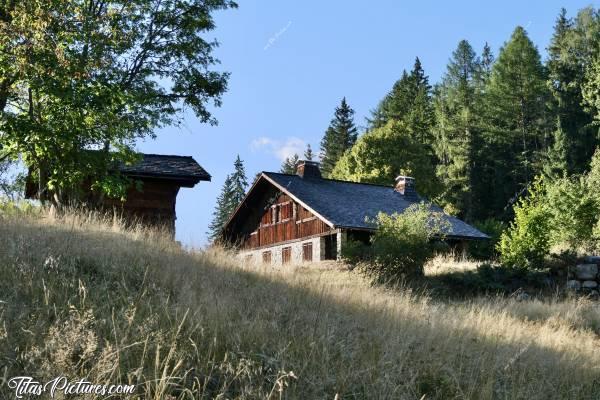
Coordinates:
(83, 296)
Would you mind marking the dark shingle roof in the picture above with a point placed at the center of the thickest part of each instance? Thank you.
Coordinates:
(349, 204)
(165, 166)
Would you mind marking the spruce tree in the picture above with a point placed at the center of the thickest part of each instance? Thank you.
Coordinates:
(420, 115)
(308, 153)
(569, 57)
(222, 210)
(232, 194)
(289, 164)
(517, 124)
(239, 182)
(339, 137)
(409, 101)
(457, 129)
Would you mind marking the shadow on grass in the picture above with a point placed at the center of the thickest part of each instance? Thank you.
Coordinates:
(488, 279)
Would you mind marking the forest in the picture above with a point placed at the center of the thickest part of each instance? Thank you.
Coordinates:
(501, 135)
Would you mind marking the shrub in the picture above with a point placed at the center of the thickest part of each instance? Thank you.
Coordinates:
(574, 207)
(355, 251)
(527, 241)
(486, 249)
(403, 243)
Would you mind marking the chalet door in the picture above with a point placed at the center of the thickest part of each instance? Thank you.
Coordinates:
(286, 255)
(330, 247)
(307, 252)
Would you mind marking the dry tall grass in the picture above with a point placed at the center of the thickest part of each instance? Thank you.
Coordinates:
(83, 298)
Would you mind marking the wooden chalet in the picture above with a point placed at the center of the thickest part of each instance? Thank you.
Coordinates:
(303, 217)
(152, 202)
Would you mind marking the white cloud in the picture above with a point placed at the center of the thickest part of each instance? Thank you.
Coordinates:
(281, 149)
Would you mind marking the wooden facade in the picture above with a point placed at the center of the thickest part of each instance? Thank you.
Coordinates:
(282, 221)
(154, 204)
(151, 198)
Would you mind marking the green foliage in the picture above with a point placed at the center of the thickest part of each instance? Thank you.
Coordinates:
(77, 75)
(402, 244)
(569, 58)
(575, 209)
(232, 194)
(457, 129)
(383, 153)
(517, 124)
(486, 249)
(308, 153)
(289, 165)
(355, 252)
(558, 212)
(527, 240)
(339, 137)
(408, 101)
(591, 90)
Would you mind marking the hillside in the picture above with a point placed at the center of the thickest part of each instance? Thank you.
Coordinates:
(82, 298)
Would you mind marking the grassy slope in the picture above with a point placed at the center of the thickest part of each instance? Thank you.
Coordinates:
(89, 300)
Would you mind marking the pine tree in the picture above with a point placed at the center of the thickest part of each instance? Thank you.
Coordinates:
(409, 101)
(222, 210)
(308, 153)
(420, 116)
(289, 164)
(486, 63)
(457, 129)
(232, 194)
(517, 124)
(239, 182)
(568, 59)
(339, 137)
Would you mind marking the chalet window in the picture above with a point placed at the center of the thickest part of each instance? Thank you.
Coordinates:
(266, 256)
(286, 255)
(275, 212)
(307, 252)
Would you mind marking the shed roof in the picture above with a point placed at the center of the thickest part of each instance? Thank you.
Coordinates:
(349, 204)
(167, 166)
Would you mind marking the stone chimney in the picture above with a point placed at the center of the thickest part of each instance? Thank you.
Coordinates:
(405, 185)
(308, 169)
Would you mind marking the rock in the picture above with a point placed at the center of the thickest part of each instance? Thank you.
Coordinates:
(589, 285)
(592, 259)
(573, 284)
(586, 272)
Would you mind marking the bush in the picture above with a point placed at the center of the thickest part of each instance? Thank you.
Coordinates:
(486, 249)
(527, 241)
(563, 212)
(355, 251)
(403, 243)
(574, 207)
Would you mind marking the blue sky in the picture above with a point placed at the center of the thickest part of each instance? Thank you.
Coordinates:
(292, 62)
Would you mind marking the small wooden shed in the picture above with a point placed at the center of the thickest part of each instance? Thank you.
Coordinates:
(161, 177)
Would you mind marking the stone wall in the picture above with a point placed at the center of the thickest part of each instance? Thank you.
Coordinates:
(584, 278)
(255, 256)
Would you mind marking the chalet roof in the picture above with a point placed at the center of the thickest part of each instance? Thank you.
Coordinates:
(167, 166)
(349, 204)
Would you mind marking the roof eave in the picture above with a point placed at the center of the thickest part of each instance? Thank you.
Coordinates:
(460, 237)
(185, 180)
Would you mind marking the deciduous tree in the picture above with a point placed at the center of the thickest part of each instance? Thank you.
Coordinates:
(81, 74)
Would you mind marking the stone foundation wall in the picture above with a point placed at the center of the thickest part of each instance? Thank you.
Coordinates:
(585, 277)
(256, 256)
